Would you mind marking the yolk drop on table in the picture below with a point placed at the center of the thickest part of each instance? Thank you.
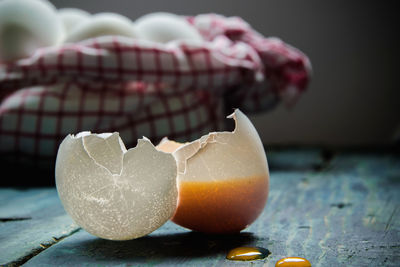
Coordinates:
(226, 206)
(293, 262)
(247, 254)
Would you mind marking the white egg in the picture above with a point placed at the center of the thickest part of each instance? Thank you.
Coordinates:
(26, 25)
(72, 17)
(102, 24)
(112, 192)
(164, 27)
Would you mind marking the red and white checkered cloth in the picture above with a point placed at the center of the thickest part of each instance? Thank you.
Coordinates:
(181, 89)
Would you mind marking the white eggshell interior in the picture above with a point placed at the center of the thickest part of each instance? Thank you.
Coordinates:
(164, 27)
(100, 25)
(224, 155)
(26, 25)
(112, 192)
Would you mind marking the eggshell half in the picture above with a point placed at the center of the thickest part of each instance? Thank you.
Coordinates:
(102, 24)
(223, 179)
(26, 25)
(112, 192)
(165, 27)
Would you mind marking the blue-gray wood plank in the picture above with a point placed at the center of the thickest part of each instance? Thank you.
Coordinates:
(30, 221)
(340, 211)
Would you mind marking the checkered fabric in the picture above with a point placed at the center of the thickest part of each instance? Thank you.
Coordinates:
(181, 89)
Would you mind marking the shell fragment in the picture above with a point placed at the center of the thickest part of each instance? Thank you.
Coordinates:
(112, 192)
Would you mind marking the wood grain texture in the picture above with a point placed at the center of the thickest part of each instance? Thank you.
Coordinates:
(344, 212)
(30, 221)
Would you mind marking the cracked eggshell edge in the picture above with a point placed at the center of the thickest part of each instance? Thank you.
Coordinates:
(74, 164)
(243, 142)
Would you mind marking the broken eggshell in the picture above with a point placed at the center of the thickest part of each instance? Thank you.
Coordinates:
(112, 192)
(223, 179)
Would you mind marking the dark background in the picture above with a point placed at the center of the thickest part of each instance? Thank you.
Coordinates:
(354, 97)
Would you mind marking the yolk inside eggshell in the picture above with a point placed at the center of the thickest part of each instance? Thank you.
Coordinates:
(226, 206)
(218, 206)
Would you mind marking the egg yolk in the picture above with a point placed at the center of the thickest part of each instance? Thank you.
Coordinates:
(219, 206)
(293, 262)
(247, 254)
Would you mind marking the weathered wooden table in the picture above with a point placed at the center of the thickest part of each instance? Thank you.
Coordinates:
(335, 209)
